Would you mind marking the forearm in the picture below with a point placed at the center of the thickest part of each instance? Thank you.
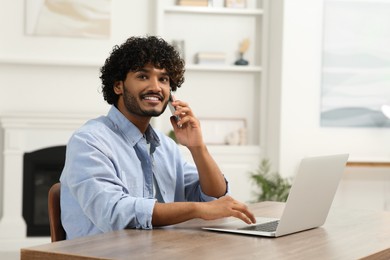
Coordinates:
(176, 212)
(211, 178)
(165, 214)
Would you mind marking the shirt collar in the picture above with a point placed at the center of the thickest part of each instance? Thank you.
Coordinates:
(130, 131)
(152, 138)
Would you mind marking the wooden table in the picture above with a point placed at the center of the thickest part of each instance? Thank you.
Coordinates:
(368, 164)
(347, 234)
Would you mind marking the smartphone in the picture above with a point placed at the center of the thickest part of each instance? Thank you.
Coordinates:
(172, 108)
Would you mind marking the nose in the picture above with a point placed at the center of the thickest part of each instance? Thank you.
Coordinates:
(155, 84)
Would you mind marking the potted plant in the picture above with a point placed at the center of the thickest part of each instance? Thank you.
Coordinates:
(272, 186)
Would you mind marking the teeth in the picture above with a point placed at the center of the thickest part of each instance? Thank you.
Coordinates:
(152, 98)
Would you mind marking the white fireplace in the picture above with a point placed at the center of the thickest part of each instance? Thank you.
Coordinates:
(20, 133)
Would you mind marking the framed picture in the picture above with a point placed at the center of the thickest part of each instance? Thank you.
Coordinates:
(76, 18)
(356, 62)
(224, 131)
(60, 32)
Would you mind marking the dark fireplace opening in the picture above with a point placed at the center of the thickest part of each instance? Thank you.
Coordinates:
(41, 169)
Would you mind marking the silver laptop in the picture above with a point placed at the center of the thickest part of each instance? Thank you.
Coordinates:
(308, 202)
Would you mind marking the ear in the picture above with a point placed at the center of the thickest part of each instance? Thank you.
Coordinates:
(118, 87)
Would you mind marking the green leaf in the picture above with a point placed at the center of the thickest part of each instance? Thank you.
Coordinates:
(271, 185)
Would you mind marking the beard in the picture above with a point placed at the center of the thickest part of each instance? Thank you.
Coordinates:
(133, 107)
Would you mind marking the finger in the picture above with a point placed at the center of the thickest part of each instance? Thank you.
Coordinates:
(183, 111)
(182, 107)
(188, 121)
(250, 216)
(244, 210)
(242, 216)
(178, 102)
(175, 124)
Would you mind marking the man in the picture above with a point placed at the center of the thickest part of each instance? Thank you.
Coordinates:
(121, 173)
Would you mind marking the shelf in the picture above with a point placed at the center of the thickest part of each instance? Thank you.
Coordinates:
(223, 68)
(230, 26)
(213, 10)
(342, 70)
(51, 61)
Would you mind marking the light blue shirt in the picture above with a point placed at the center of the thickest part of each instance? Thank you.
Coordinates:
(103, 187)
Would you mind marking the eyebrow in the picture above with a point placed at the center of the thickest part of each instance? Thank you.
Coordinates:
(149, 70)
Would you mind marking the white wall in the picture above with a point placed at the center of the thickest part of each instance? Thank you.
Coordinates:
(294, 94)
(56, 75)
(59, 74)
(299, 86)
(294, 109)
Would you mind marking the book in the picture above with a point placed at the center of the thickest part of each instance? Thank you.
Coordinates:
(193, 2)
(210, 58)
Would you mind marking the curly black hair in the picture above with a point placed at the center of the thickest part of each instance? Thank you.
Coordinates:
(133, 55)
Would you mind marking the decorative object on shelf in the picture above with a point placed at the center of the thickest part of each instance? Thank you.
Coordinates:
(210, 58)
(272, 186)
(224, 131)
(235, 3)
(192, 2)
(243, 48)
(236, 137)
(179, 45)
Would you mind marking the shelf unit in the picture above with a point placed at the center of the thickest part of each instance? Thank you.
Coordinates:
(212, 10)
(223, 90)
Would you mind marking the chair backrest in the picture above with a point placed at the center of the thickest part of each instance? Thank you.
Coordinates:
(57, 232)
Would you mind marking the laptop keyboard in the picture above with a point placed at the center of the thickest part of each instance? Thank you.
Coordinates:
(265, 227)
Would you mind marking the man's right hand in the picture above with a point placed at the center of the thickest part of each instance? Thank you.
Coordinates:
(226, 206)
(177, 212)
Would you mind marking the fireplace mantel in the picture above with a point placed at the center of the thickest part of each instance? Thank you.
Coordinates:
(19, 133)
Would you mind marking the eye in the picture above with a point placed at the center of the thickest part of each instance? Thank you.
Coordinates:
(142, 76)
(164, 79)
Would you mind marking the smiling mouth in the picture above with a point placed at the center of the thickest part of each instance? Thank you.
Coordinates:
(152, 98)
